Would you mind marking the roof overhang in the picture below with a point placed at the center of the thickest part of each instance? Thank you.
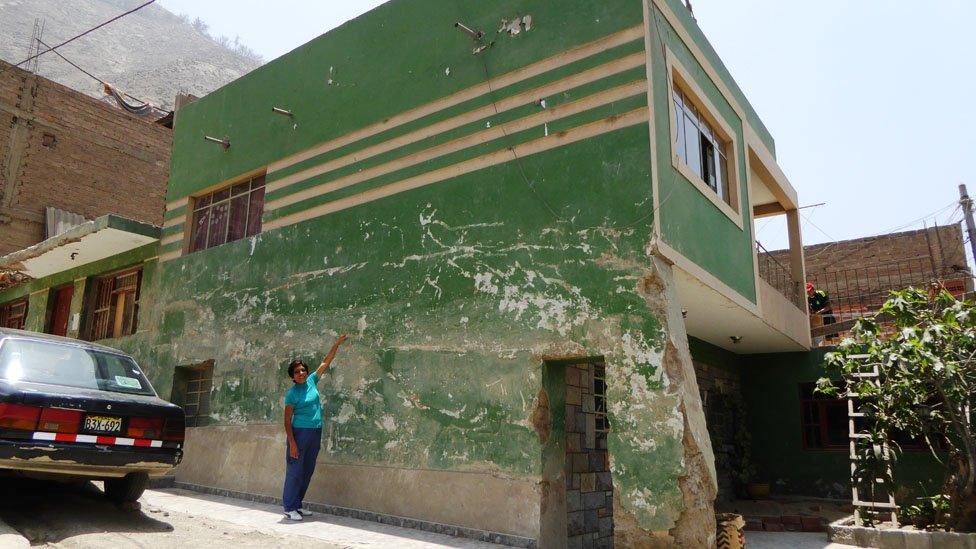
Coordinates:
(89, 242)
(769, 191)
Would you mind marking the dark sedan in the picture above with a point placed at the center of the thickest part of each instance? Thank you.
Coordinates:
(76, 410)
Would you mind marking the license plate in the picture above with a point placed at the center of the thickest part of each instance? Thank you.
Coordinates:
(103, 424)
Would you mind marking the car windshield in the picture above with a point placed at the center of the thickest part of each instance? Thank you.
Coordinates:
(59, 364)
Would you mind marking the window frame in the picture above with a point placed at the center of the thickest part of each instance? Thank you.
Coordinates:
(5, 309)
(114, 327)
(821, 403)
(192, 385)
(681, 80)
(203, 200)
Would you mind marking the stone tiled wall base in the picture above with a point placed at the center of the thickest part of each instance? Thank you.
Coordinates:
(844, 531)
(589, 487)
(403, 522)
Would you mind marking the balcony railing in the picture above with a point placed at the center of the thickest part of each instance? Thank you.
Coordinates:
(778, 276)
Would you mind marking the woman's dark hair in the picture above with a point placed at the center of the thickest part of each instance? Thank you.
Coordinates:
(294, 365)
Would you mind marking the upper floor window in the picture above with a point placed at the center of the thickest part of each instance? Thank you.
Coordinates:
(13, 314)
(114, 307)
(228, 214)
(700, 147)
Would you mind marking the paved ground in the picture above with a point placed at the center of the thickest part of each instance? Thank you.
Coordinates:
(790, 540)
(78, 516)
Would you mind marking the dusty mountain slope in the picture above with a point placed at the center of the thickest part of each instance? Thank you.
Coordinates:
(151, 54)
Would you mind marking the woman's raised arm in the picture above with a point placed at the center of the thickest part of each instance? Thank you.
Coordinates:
(329, 357)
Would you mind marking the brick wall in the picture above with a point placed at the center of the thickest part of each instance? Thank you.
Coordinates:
(860, 272)
(63, 149)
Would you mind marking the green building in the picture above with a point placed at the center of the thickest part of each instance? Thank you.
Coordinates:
(520, 211)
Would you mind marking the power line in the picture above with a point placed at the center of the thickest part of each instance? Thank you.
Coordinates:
(104, 83)
(72, 39)
(870, 239)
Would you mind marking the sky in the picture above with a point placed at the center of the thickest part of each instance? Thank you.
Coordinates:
(870, 101)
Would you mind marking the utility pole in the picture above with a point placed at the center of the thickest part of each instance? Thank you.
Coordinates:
(967, 213)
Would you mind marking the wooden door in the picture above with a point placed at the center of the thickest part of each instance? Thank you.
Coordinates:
(61, 311)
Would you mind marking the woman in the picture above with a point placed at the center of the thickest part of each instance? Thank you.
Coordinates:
(303, 425)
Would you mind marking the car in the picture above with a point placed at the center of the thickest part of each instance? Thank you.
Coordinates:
(74, 410)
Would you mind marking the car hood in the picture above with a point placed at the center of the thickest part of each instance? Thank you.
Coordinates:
(92, 400)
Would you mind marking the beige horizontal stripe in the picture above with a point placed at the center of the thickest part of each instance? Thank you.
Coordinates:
(170, 255)
(176, 237)
(178, 220)
(518, 75)
(560, 139)
(177, 203)
(496, 132)
(521, 99)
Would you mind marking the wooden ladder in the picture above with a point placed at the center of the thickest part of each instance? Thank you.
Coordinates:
(853, 413)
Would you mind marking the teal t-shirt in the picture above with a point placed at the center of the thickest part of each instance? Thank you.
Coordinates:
(305, 399)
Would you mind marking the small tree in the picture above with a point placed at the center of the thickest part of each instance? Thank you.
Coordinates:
(928, 383)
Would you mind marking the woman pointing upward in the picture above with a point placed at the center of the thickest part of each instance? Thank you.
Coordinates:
(303, 425)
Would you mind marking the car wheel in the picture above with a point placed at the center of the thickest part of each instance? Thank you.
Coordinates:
(126, 489)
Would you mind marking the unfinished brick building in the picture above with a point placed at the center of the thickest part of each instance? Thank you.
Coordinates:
(60, 149)
(858, 274)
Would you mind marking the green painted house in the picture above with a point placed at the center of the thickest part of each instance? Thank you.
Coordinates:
(519, 210)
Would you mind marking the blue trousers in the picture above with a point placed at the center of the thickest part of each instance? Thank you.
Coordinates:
(298, 472)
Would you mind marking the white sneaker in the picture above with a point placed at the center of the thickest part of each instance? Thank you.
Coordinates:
(304, 512)
(293, 515)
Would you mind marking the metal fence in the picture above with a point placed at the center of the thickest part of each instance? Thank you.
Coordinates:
(858, 292)
(779, 276)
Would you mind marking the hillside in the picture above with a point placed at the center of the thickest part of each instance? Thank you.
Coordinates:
(151, 54)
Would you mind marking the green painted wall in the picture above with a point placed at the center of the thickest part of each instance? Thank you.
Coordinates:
(688, 22)
(771, 389)
(713, 355)
(394, 58)
(455, 292)
(690, 223)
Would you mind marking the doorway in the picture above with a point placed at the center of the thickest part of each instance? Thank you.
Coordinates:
(60, 310)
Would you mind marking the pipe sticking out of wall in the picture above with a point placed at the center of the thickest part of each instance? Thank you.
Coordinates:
(475, 35)
(282, 112)
(225, 142)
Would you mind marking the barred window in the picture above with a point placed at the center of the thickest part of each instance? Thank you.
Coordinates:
(191, 391)
(229, 214)
(114, 308)
(13, 314)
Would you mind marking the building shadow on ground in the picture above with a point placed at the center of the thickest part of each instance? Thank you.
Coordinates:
(50, 512)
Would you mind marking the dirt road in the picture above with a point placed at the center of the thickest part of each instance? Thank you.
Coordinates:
(62, 515)
(49, 514)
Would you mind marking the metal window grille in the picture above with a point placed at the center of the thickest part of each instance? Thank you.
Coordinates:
(115, 307)
(600, 398)
(228, 214)
(192, 392)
